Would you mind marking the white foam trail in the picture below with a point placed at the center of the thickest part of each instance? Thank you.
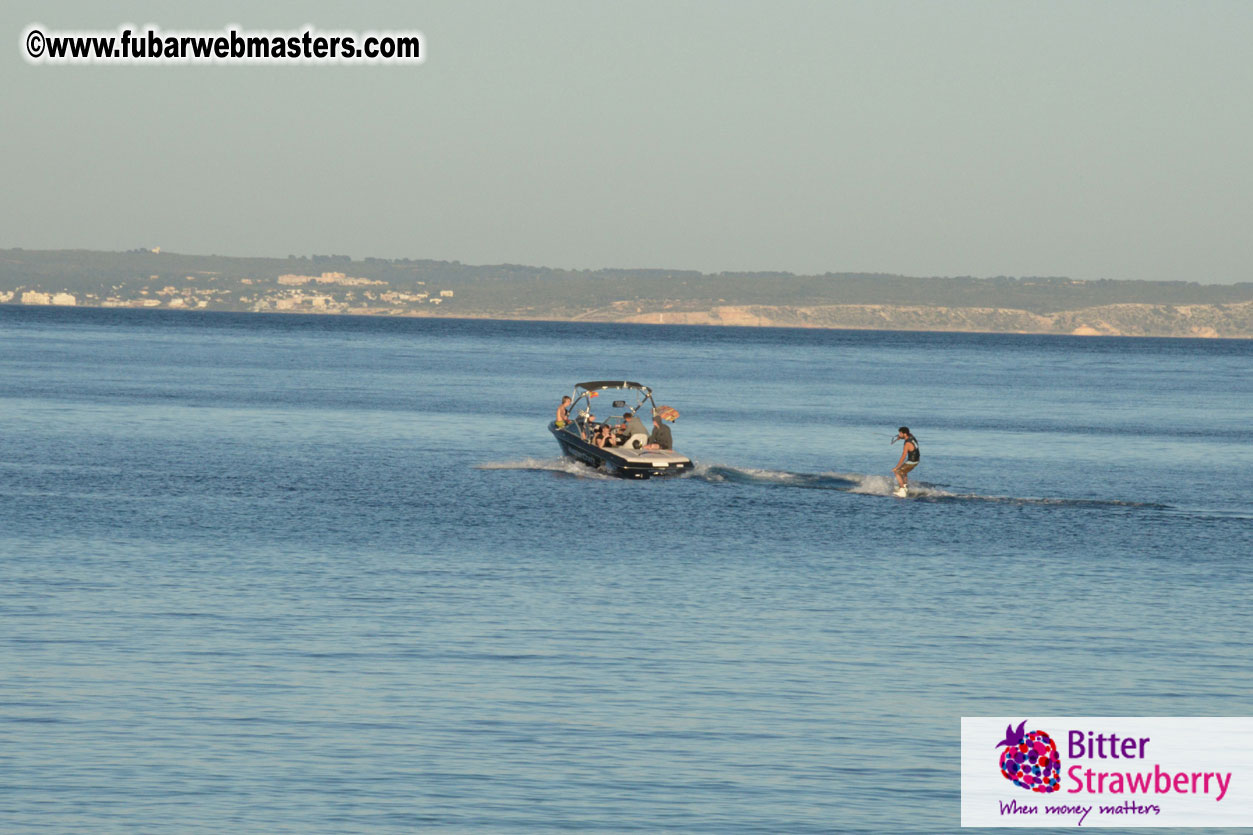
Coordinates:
(857, 483)
(884, 485)
(552, 465)
(705, 472)
(716, 472)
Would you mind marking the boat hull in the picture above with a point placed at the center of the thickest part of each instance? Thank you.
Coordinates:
(627, 464)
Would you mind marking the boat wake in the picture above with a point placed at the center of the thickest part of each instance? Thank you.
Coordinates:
(862, 484)
(855, 483)
(883, 485)
(561, 466)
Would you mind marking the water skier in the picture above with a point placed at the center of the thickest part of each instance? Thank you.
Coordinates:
(909, 459)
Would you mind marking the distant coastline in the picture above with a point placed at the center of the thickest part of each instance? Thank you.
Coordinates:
(336, 285)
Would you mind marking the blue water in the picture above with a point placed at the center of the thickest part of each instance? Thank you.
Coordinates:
(301, 574)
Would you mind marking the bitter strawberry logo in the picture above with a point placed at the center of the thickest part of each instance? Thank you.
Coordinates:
(1030, 759)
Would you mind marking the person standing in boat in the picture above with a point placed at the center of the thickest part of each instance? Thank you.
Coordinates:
(563, 412)
(910, 456)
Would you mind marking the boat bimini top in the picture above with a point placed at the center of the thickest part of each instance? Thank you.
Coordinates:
(601, 385)
(585, 392)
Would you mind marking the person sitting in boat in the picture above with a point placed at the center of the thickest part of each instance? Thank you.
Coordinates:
(631, 425)
(604, 437)
(563, 412)
(660, 437)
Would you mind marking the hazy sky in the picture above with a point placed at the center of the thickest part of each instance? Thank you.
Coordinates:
(1088, 139)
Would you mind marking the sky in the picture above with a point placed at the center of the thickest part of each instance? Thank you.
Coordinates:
(1083, 139)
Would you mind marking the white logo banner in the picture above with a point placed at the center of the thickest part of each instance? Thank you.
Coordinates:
(1119, 771)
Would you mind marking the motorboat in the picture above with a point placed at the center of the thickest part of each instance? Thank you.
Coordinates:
(628, 458)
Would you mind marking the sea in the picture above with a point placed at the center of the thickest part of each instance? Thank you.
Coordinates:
(302, 574)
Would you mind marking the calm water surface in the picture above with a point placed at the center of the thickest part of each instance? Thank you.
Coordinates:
(289, 574)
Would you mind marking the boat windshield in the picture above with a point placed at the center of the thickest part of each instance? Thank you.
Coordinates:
(611, 398)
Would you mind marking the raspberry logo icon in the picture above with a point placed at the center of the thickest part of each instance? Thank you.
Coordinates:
(1030, 759)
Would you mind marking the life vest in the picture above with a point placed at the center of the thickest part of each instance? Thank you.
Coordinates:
(914, 454)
